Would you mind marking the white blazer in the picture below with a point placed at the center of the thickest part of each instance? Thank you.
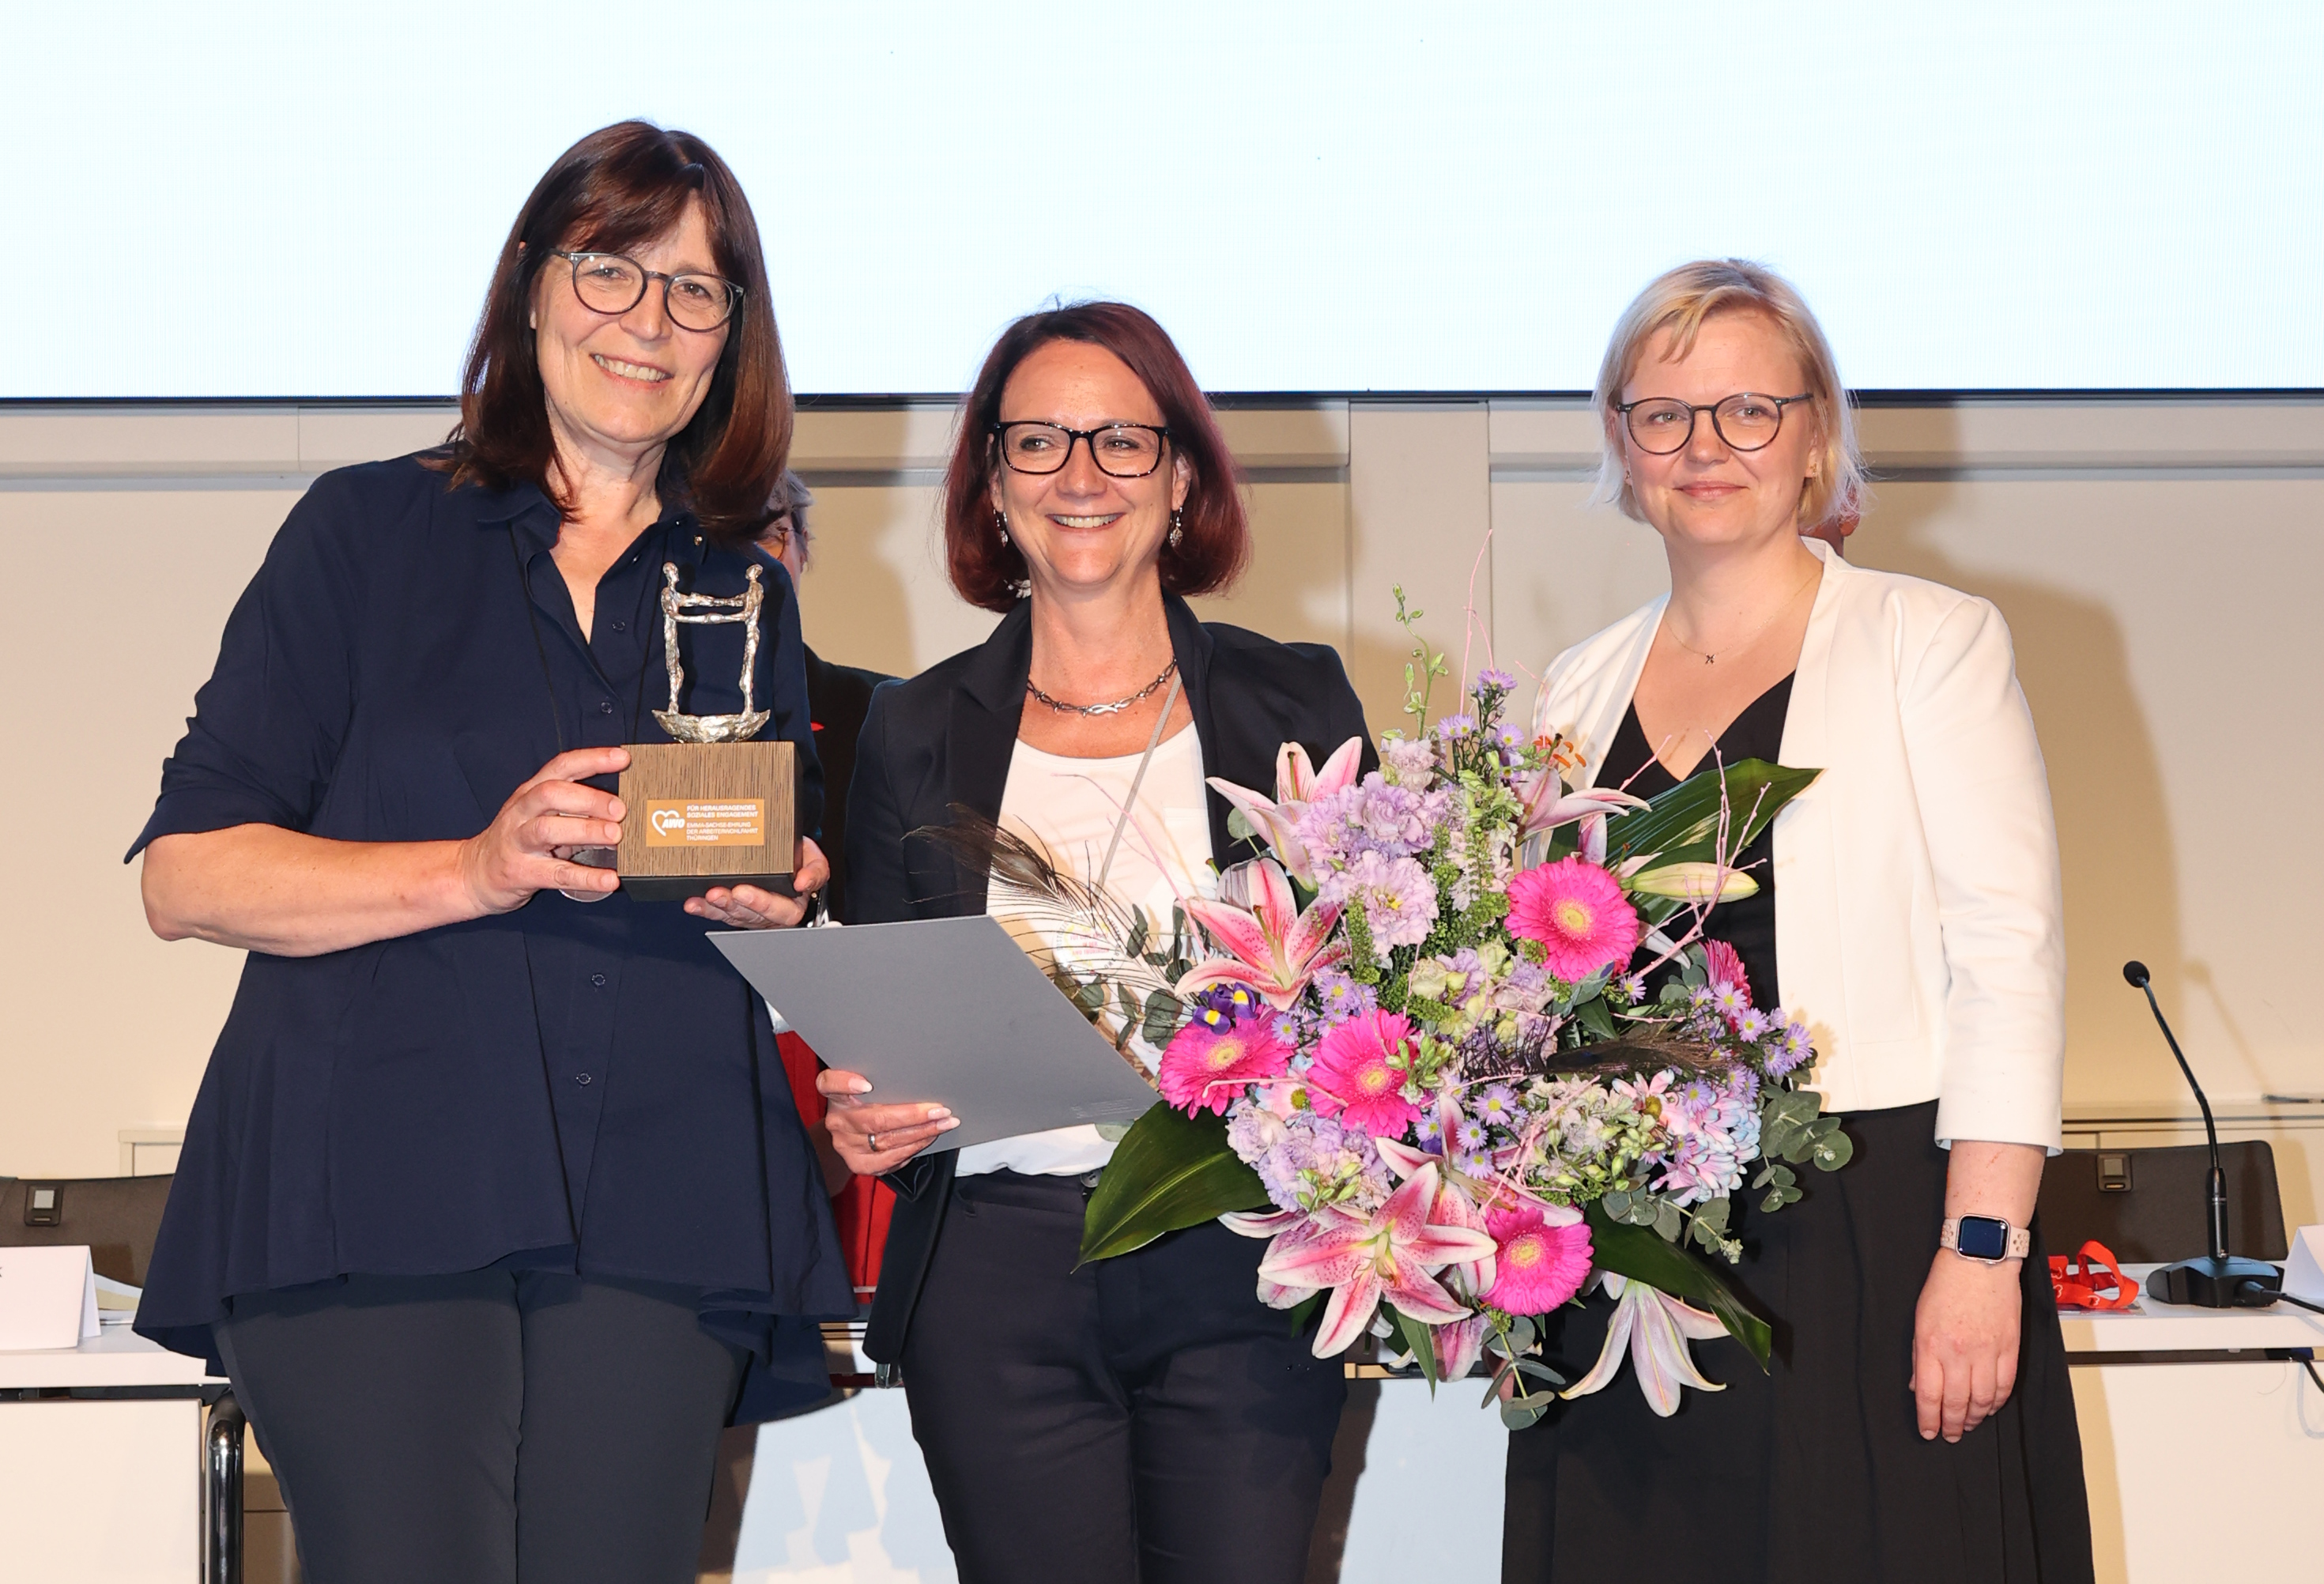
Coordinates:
(1919, 926)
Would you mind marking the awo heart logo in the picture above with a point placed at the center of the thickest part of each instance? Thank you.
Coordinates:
(665, 820)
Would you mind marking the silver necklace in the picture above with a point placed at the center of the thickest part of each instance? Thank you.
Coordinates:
(1115, 708)
(1752, 637)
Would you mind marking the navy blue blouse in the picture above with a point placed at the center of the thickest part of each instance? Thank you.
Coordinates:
(583, 1087)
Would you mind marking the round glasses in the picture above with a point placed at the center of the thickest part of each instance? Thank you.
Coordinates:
(1120, 450)
(613, 283)
(1747, 421)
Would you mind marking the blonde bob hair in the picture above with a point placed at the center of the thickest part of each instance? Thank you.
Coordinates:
(1679, 301)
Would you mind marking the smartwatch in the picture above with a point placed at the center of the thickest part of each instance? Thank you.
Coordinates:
(1987, 1239)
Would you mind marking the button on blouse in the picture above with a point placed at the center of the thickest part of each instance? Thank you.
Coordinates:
(407, 656)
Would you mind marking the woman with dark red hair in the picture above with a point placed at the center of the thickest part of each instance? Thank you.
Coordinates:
(1146, 1417)
(495, 1204)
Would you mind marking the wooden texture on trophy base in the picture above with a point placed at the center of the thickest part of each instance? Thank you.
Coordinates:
(698, 815)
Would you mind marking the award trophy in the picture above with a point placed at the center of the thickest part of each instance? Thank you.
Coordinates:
(710, 808)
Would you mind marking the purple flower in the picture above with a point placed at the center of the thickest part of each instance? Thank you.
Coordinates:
(1408, 762)
(1753, 1027)
(1469, 1138)
(1499, 1104)
(1307, 1160)
(1452, 728)
(1793, 1048)
(1397, 895)
(1493, 677)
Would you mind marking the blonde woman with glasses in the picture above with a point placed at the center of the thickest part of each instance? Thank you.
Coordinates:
(1917, 1423)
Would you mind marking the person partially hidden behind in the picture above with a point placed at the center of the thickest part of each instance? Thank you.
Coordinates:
(837, 697)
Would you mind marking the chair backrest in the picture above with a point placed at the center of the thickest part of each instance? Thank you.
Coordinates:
(2153, 1204)
(116, 1217)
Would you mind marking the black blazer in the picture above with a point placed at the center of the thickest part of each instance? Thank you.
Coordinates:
(946, 736)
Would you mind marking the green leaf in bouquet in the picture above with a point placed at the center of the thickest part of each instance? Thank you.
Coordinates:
(1596, 1022)
(1169, 1171)
(1161, 1018)
(1669, 1222)
(1681, 825)
(1419, 1341)
(1834, 1150)
(1240, 828)
(1140, 934)
(1639, 1256)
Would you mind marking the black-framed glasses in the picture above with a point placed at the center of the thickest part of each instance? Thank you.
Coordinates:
(615, 283)
(1120, 450)
(1747, 421)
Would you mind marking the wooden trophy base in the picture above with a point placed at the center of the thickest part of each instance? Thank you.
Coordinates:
(699, 815)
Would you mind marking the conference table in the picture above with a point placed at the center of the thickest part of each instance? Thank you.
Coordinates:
(120, 1463)
(2202, 1440)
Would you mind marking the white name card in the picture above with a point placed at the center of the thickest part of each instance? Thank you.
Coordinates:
(2304, 1272)
(48, 1297)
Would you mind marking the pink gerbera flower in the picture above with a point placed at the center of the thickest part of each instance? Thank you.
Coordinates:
(1541, 1258)
(1352, 1073)
(1578, 913)
(1206, 1070)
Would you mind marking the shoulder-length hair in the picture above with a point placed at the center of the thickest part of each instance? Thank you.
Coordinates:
(616, 188)
(1215, 545)
(1680, 302)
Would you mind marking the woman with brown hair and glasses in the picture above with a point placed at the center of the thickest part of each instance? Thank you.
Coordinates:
(495, 1204)
(1145, 1417)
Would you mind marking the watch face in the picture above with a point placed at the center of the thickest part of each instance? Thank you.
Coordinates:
(1983, 1237)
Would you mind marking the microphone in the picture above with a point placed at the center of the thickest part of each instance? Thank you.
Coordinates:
(2219, 1280)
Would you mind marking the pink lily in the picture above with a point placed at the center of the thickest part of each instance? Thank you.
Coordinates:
(1390, 1254)
(1657, 1327)
(1273, 947)
(1457, 1345)
(1298, 783)
(1544, 803)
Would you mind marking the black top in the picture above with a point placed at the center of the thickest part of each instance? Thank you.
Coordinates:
(946, 736)
(838, 697)
(1748, 925)
(569, 1086)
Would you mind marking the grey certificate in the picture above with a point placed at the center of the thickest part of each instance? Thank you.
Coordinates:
(944, 1009)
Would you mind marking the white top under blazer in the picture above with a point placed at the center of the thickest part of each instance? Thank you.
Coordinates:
(1919, 925)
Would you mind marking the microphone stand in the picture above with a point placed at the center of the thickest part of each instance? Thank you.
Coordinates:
(2217, 1280)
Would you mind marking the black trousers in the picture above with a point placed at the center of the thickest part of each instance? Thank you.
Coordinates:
(495, 1427)
(1144, 1418)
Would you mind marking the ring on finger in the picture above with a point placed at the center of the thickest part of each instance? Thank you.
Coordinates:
(872, 1139)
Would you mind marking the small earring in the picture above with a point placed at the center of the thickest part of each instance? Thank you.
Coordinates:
(1177, 527)
(1000, 523)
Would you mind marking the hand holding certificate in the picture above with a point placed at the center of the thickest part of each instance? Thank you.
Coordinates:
(952, 1019)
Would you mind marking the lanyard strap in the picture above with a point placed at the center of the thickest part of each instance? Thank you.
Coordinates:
(1169, 703)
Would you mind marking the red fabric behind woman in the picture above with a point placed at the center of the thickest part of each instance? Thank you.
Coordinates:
(860, 1208)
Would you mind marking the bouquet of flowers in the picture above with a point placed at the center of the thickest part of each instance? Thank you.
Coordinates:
(1459, 1045)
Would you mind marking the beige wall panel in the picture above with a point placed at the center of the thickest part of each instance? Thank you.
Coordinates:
(1563, 569)
(1296, 587)
(875, 593)
(2164, 631)
(123, 592)
(1419, 504)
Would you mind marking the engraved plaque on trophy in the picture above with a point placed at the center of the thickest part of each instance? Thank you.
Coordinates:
(710, 808)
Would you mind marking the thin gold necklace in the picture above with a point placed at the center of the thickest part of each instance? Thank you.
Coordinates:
(1753, 636)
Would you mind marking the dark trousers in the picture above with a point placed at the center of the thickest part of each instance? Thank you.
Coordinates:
(1144, 1418)
(496, 1427)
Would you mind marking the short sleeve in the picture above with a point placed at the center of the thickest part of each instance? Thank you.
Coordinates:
(267, 727)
